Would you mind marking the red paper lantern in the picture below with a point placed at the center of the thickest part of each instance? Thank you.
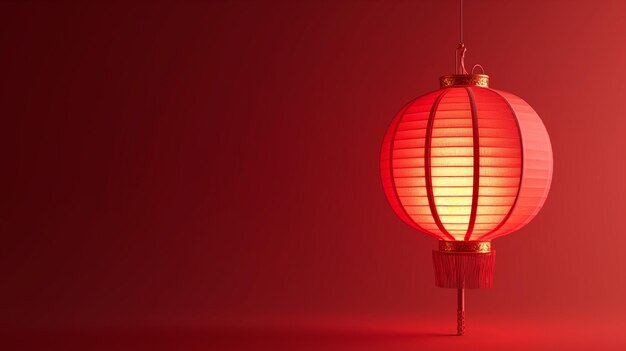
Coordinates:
(466, 164)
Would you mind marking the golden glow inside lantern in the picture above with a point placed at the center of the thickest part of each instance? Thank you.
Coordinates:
(466, 164)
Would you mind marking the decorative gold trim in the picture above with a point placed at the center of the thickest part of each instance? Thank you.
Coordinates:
(481, 80)
(465, 246)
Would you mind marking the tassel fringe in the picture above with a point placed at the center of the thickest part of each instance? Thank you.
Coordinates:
(464, 270)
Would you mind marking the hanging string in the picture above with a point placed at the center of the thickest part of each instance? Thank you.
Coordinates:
(460, 21)
(459, 53)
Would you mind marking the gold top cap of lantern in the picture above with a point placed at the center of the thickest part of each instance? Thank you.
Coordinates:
(481, 80)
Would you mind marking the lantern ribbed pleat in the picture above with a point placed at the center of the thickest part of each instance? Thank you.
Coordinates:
(466, 163)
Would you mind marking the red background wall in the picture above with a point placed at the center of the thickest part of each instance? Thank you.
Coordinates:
(216, 164)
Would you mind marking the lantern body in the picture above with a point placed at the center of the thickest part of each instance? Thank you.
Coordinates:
(466, 163)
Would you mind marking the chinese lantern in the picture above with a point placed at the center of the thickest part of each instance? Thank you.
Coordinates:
(466, 164)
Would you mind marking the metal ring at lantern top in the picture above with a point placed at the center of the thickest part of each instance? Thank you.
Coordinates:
(481, 80)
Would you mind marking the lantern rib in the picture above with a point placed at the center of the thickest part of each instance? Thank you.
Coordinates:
(427, 166)
(487, 235)
(393, 180)
(476, 176)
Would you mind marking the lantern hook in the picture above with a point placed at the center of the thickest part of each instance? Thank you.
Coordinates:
(460, 59)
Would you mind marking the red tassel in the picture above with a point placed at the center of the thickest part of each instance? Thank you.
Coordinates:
(464, 270)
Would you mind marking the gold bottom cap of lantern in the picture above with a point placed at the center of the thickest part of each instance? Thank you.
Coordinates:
(465, 246)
